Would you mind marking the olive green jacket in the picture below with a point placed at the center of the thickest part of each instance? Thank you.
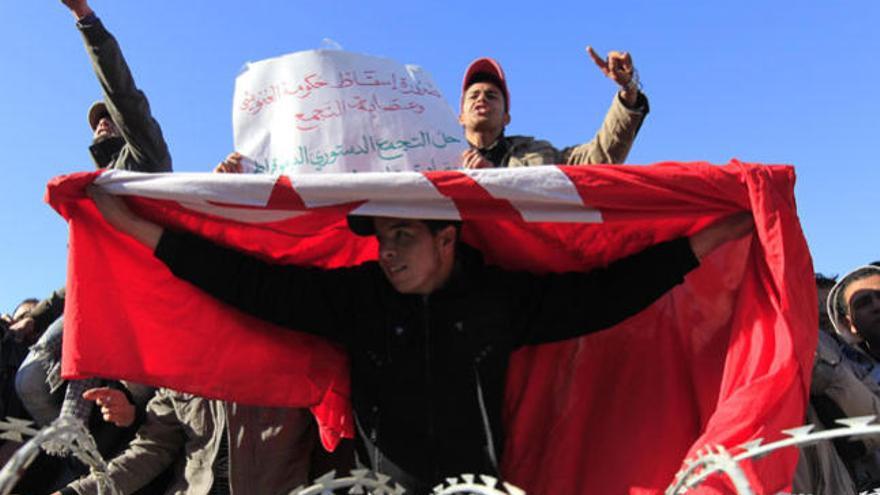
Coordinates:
(145, 149)
(269, 448)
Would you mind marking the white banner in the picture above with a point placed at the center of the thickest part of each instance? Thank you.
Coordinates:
(336, 111)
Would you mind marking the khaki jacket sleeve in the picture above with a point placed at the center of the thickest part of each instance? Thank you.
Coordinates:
(612, 143)
(159, 441)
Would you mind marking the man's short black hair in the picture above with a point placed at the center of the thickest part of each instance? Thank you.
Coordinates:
(825, 282)
(30, 300)
(437, 225)
(363, 225)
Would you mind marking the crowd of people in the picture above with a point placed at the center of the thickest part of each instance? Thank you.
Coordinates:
(167, 441)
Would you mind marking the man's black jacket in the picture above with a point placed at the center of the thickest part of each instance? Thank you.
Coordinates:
(428, 373)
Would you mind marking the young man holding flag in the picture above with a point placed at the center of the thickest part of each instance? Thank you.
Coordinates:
(429, 327)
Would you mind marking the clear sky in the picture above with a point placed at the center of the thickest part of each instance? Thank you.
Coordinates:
(790, 82)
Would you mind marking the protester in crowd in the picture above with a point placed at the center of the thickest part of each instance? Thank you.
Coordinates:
(215, 446)
(124, 133)
(854, 309)
(20, 313)
(485, 111)
(32, 324)
(844, 466)
(14, 341)
(125, 136)
(428, 326)
(11, 328)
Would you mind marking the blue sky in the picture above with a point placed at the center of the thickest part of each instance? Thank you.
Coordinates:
(771, 82)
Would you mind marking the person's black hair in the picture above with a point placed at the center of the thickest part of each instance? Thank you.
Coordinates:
(825, 282)
(363, 225)
(489, 78)
(30, 300)
(437, 225)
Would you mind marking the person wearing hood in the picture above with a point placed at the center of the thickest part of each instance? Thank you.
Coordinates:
(854, 308)
(846, 376)
(838, 390)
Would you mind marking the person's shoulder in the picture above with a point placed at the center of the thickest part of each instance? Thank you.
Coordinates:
(828, 349)
(525, 141)
(525, 144)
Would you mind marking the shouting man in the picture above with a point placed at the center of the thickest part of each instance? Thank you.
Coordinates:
(485, 112)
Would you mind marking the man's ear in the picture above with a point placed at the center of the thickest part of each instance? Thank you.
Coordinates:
(447, 237)
(506, 118)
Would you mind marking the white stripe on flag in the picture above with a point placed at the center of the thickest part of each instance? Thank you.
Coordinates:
(200, 192)
(540, 194)
(398, 194)
(241, 189)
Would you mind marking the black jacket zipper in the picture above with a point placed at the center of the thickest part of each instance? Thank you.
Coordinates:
(429, 382)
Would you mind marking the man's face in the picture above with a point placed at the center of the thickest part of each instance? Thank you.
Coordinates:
(22, 310)
(414, 260)
(105, 128)
(483, 108)
(863, 301)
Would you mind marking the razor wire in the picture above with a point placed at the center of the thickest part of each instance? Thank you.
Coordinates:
(69, 436)
(364, 481)
(716, 460)
(65, 436)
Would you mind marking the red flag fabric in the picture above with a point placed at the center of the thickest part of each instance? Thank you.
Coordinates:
(724, 358)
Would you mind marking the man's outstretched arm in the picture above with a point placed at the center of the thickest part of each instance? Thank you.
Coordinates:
(158, 443)
(624, 118)
(566, 305)
(145, 150)
(302, 298)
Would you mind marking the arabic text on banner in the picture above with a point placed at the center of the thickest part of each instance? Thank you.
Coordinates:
(336, 111)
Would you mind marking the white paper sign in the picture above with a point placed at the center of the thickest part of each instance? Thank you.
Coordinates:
(336, 111)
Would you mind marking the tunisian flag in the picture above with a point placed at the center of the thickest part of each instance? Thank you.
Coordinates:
(723, 359)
